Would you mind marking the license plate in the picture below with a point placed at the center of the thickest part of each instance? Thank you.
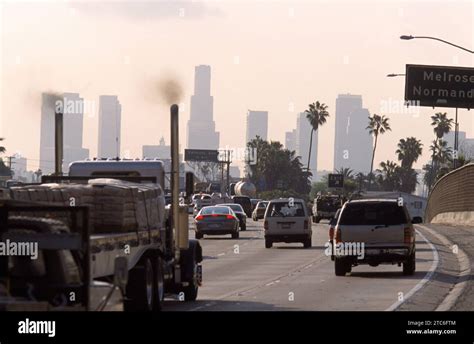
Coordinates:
(286, 225)
(214, 225)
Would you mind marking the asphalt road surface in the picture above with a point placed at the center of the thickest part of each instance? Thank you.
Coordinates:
(242, 275)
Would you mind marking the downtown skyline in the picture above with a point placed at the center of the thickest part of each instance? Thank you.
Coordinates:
(244, 75)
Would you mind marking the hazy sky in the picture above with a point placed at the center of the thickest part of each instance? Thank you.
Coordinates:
(265, 55)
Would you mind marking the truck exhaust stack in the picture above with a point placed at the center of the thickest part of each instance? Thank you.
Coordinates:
(58, 142)
(174, 121)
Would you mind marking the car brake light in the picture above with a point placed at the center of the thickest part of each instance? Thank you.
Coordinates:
(229, 217)
(199, 218)
(331, 233)
(338, 236)
(305, 224)
(407, 235)
(265, 225)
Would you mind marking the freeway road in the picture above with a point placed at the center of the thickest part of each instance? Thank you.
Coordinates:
(241, 275)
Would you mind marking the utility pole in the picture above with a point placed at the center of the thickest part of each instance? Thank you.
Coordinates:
(228, 169)
(456, 140)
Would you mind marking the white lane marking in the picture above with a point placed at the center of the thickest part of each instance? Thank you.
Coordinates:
(221, 254)
(425, 279)
(465, 270)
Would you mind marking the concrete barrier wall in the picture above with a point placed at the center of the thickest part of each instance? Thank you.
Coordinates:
(451, 200)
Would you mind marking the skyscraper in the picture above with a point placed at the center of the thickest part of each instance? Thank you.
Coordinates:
(353, 143)
(290, 140)
(257, 125)
(47, 132)
(73, 130)
(201, 128)
(303, 136)
(110, 115)
(73, 117)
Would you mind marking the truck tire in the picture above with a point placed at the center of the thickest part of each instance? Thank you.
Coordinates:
(139, 290)
(318, 219)
(409, 266)
(268, 243)
(243, 227)
(235, 235)
(158, 284)
(198, 235)
(341, 266)
(191, 271)
(307, 243)
(191, 290)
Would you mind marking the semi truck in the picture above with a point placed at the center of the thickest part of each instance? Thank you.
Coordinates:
(142, 265)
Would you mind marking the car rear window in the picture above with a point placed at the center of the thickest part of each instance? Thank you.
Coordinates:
(373, 213)
(235, 207)
(283, 209)
(215, 210)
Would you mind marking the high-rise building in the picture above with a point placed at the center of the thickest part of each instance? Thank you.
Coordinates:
(47, 132)
(303, 136)
(73, 130)
(290, 140)
(465, 144)
(110, 117)
(257, 125)
(353, 143)
(201, 128)
(73, 117)
(161, 151)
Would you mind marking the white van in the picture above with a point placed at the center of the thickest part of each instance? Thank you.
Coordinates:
(287, 220)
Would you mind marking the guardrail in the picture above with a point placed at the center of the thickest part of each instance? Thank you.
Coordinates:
(452, 198)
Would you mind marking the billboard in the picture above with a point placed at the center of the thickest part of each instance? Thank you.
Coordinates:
(439, 86)
(201, 155)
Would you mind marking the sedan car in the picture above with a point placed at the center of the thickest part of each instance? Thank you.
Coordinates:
(216, 220)
(259, 211)
(239, 211)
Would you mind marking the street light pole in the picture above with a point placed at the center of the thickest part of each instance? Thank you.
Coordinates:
(456, 139)
(410, 37)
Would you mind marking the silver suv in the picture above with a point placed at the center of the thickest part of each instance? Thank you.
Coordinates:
(374, 231)
(287, 220)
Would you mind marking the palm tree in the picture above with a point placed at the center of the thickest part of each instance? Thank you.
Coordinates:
(378, 125)
(441, 124)
(346, 172)
(317, 115)
(2, 149)
(390, 176)
(360, 179)
(441, 153)
(409, 150)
